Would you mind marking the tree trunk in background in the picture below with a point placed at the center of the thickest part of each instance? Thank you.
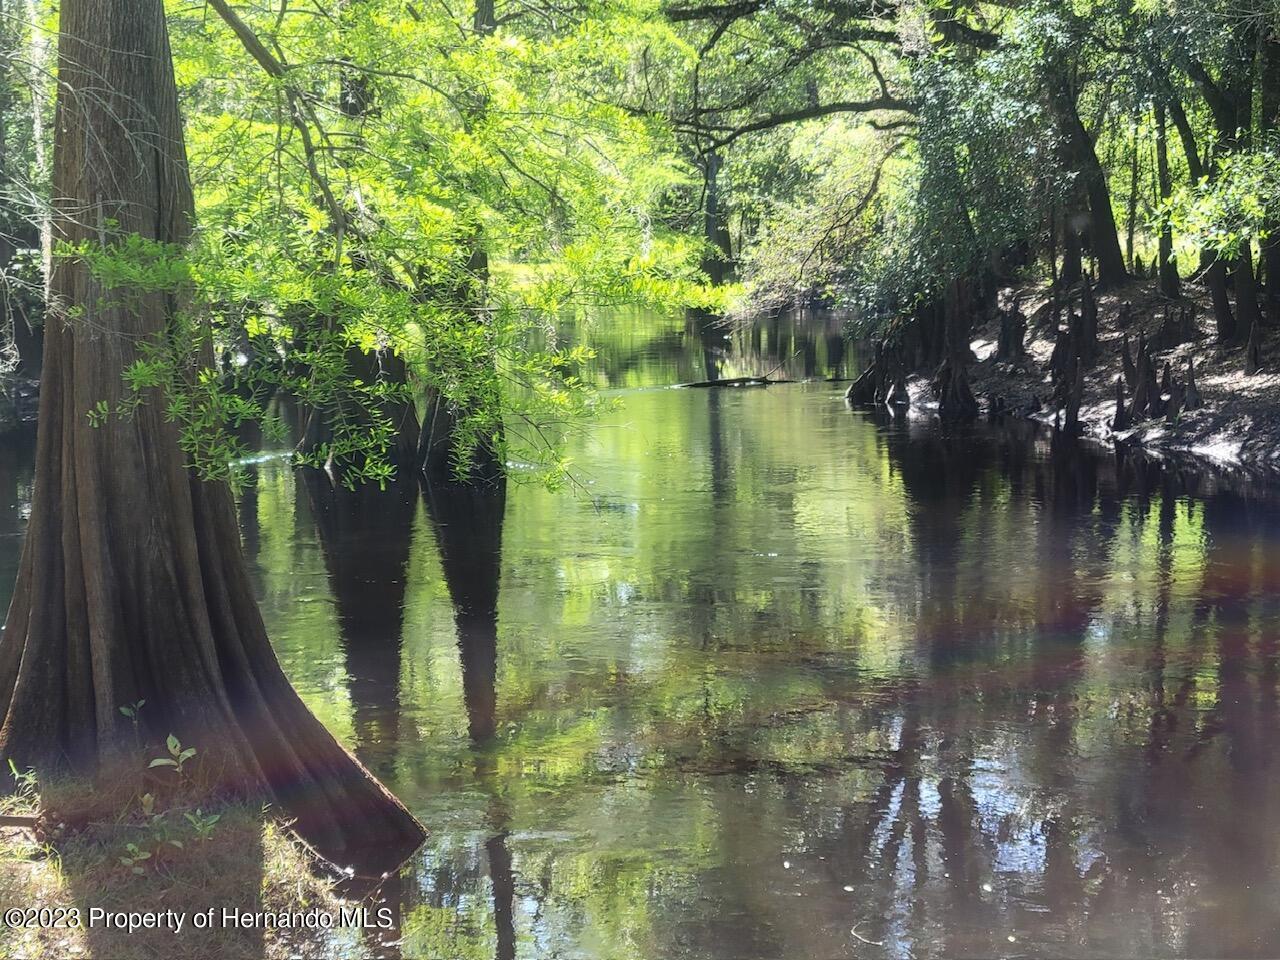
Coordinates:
(1072, 256)
(718, 264)
(368, 366)
(1230, 101)
(1053, 245)
(1269, 122)
(356, 101)
(1212, 268)
(1079, 155)
(951, 382)
(437, 438)
(1247, 311)
(1167, 271)
(1132, 212)
(132, 582)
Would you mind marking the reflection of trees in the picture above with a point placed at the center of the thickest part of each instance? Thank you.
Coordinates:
(988, 759)
(468, 520)
(365, 535)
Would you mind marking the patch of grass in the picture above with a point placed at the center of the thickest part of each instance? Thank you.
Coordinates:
(130, 853)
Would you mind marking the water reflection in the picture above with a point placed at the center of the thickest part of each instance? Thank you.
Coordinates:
(467, 520)
(364, 535)
(799, 681)
(641, 349)
(17, 459)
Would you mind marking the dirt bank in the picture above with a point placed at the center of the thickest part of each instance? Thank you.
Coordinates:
(1238, 427)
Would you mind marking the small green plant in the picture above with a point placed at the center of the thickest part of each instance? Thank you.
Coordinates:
(203, 823)
(26, 793)
(134, 857)
(131, 711)
(178, 757)
(158, 837)
(99, 414)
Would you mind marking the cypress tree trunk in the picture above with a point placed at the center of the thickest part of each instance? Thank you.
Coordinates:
(1269, 121)
(1230, 101)
(438, 433)
(718, 266)
(1079, 155)
(1167, 271)
(1212, 268)
(1132, 207)
(132, 582)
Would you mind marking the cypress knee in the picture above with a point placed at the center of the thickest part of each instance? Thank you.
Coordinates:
(1121, 420)
(1191, 399)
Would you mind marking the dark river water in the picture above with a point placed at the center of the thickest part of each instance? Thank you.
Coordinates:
(790, 680)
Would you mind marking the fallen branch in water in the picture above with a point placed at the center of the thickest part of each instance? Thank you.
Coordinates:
(730, 382)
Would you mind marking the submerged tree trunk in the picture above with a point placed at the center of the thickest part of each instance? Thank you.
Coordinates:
(468, 520)
(132, 583)
(438, 436)
(368, 366)
(365, 535)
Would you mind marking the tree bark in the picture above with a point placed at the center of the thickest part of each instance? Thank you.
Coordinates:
(1230, 101)
(1269, 121)
(132, 582)
(1080, 156)
(1212, 269)
(1167, 271)
(718, 264)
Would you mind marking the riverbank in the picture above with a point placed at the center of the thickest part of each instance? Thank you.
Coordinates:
(164, 868)
(1238, 426)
